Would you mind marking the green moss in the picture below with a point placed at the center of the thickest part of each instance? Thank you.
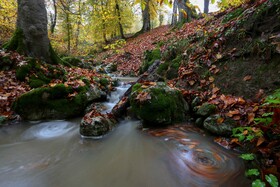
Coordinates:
(86, 81)
(164, 107)
(36, 83)
(233, 15)
(51, 102)
(104, 82)
(150, 57)
(23, 71)
(136, 87)
(59, 91)
(16, 42)
(55, 59)
(72, 60)
(162, 68)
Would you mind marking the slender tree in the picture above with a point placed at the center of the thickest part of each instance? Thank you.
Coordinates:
(146, 17)
(119, 19)
(175, 13)
(206, 6)
(53, 17)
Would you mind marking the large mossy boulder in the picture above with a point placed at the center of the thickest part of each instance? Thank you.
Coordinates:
(96, 124)
(157, 104)
(224, 128)
(56, 102)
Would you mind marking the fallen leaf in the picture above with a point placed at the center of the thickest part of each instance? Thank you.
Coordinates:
(211, 79)
(260, 140)
(191, 82)
(232, 113)
(220, 120)
(247, 78)
(215, 90)
(143, 96)
(251, 117)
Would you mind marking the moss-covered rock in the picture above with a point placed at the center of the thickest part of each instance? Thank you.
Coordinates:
(150, 57)
(206, 110)
(158, 104)
(54, 102)
(221, 129)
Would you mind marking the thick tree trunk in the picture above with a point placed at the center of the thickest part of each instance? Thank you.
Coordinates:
(146, 17)
(206, 6)
(31, 36)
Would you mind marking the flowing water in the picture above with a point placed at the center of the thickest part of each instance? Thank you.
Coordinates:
(52, 154)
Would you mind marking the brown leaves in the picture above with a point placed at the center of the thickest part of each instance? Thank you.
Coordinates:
(143, 96)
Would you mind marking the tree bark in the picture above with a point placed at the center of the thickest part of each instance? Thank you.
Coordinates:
(146, 17)
(31, 35)
(183, 7)
(119, 19)
(54, 17)
(206, 6)
(175, 13)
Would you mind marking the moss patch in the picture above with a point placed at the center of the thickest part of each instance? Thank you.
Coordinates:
(150, 57)
(16, 43)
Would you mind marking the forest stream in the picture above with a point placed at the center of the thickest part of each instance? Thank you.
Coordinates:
(52, 154)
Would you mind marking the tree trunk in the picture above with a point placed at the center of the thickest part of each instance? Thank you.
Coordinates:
(53, 17)
(68, 28)
(31, 35)
(175, 13)
(206, 6)
(183, 7)
(119, 19)
(146, 17)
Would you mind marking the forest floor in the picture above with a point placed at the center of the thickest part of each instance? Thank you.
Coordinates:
(230, 59)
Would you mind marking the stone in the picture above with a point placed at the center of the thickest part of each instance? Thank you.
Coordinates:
(54, 102)
(3, 119)
(199, 122)
(96, 126)
(158, 104)
(206, 110)
(222, 129)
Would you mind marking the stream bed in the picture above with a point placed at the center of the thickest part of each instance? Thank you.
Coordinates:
(52, 154)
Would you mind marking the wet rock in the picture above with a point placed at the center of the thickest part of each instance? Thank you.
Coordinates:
(206, 110)
(195, 102)
(97, 125)
(199, 122)
(3, 119)
(56, 102)
(222, 129)
(157, 104)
